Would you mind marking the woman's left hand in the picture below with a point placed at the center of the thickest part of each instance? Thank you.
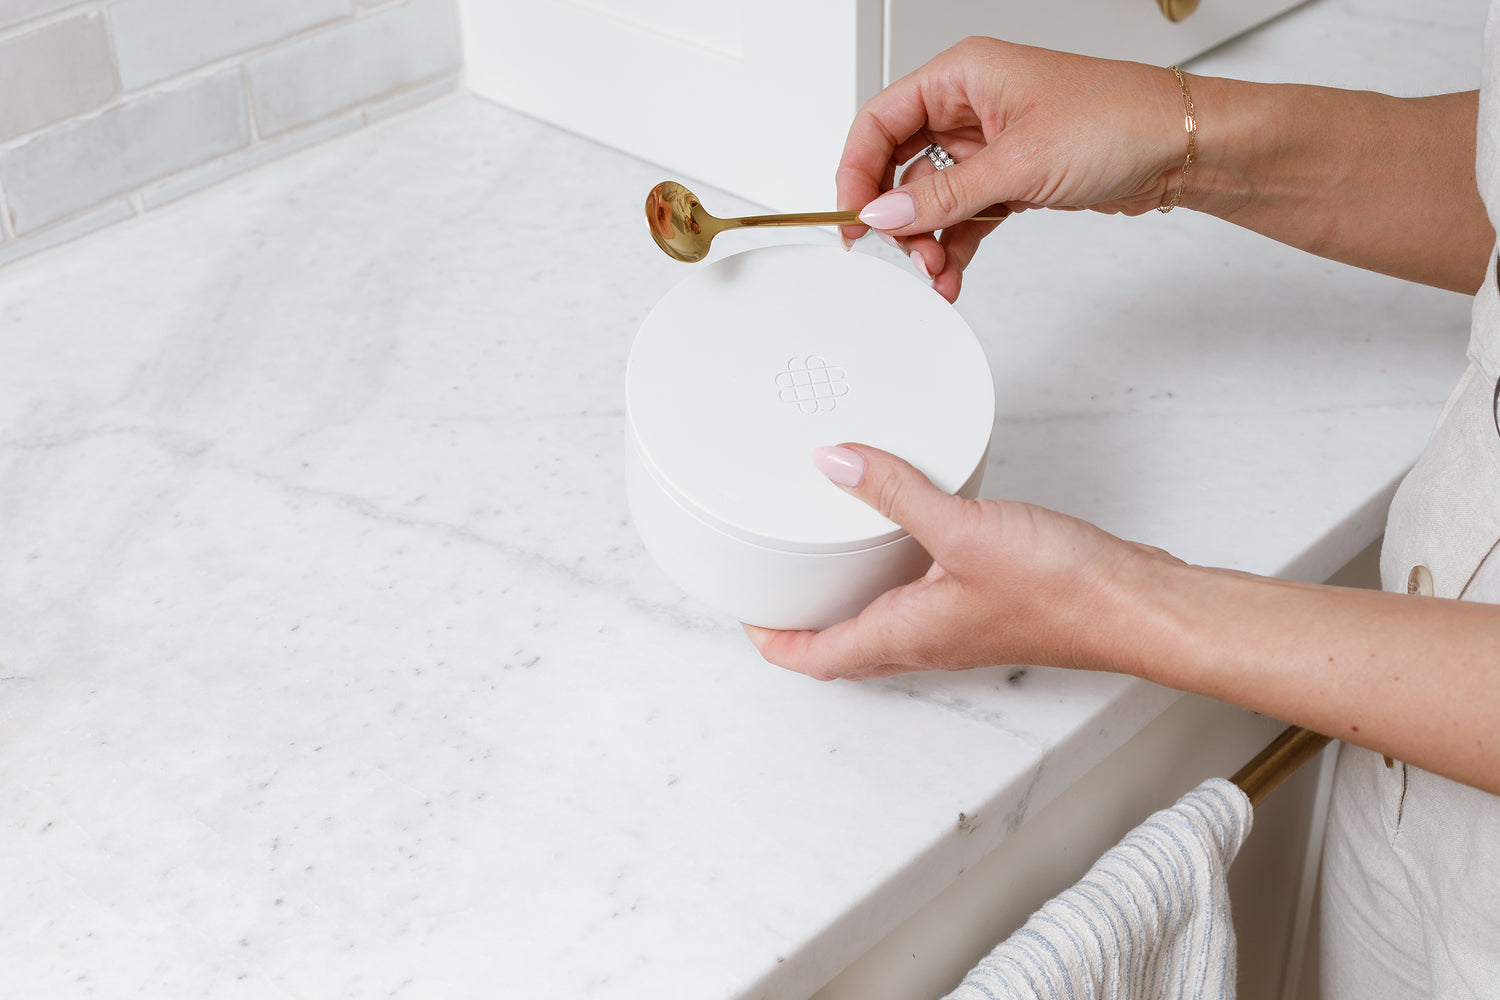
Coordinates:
(1010, 583)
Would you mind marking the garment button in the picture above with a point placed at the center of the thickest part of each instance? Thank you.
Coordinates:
(1419, 581)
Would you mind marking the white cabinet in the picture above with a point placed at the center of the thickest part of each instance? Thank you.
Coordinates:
(755, 98)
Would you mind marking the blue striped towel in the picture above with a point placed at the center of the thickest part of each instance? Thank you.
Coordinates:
(1150, 919)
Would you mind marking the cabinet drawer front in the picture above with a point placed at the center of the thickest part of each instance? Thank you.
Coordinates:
(916, 30)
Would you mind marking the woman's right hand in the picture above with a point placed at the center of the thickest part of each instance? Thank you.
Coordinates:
(1029, 128)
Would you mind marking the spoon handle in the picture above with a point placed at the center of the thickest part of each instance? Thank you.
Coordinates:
(798, 219)
(826, 219)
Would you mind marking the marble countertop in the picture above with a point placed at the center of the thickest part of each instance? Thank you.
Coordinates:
(330, 665)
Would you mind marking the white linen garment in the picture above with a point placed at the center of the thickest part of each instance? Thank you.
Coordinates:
(1411, 864)
(1150, 919)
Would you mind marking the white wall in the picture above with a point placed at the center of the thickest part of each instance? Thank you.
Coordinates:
(111, 108)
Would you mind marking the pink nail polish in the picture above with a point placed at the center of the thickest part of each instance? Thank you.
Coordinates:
(921, 265)
(887, 239)
(891, 210)
(843, 466)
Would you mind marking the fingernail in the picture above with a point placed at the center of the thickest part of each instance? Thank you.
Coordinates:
(916, 258)
(887, 238)
(846, 241)
(845, 467)
(891, 210)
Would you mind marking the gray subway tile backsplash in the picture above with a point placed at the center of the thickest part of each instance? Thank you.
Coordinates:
(13, 12)
(83, 163)
(158, 39)
(353, 63)
(57, 72)
(115, 106)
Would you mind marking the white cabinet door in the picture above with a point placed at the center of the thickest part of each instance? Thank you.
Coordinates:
(751, 97)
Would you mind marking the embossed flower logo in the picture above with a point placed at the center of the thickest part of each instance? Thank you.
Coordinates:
(812, 383)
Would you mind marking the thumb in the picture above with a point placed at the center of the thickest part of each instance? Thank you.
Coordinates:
(894, 488)
(932, 201)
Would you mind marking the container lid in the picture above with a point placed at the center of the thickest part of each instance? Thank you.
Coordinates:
(753, 361)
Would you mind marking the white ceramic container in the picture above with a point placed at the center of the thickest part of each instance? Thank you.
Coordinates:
(744, 368)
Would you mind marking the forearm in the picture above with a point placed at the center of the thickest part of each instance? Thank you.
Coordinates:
(1415, 678)
(1380, 182)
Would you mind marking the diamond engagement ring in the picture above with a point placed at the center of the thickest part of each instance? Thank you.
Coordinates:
(939, 156)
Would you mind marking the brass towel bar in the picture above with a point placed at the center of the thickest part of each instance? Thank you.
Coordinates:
(1273, 765)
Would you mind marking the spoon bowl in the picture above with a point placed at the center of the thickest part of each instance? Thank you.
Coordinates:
(677, 221)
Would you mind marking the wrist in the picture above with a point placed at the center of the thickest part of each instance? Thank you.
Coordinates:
(1134, 617)
(1271, 148)
(1233, 122)
(1177, 186)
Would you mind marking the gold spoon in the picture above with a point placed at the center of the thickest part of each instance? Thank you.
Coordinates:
(683, 228)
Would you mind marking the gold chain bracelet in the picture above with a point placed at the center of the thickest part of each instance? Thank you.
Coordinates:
(1191, 124)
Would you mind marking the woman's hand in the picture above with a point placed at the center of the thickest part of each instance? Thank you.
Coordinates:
(1379, 182)
(1411, 677)
(1028, 128)
(1010, 583)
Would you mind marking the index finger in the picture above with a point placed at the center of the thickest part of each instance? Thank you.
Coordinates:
(868, 163)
